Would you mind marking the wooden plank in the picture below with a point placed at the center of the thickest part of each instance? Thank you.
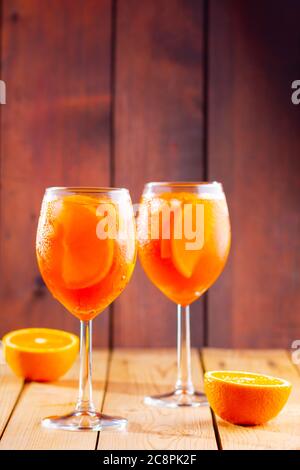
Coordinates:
(136, 373)
(55, 131)
(158, 121)
(38, 400)
(281, 433)
(10, 389)
(253, 148)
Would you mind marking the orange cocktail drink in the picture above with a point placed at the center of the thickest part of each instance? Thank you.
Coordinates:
(83, 271)
(184, 241)
(86, 251)
(183, 274)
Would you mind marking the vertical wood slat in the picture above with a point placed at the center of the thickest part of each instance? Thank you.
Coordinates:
(280, 433)
(158, 136)
(55, 132)
(1, 109)
(136, 373)
(254, 150)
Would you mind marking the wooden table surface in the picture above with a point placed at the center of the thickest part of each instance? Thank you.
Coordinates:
(121, 379)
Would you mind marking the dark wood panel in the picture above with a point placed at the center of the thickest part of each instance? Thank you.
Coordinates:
(158, 119)
(254, 150)
(55, 131)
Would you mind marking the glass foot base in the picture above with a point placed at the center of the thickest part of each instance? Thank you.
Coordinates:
(177, 399)
(84, 421)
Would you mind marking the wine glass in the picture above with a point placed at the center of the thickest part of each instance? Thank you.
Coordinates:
(183, 232)
(86, 251)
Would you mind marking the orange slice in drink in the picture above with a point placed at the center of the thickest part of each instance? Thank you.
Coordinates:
(87, 259)
(185, 257)
(165, 230)
(40, 354)
(244, 397)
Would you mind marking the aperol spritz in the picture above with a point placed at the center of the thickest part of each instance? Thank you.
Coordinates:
(86, 251)
(184, 241)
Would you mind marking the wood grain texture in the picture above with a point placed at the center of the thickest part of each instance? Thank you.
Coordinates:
(158, 119)
(131, 375)
(253, 148)
(136, 373)
(55, 131)
(38, 400)
(282, 432)
(10, 389)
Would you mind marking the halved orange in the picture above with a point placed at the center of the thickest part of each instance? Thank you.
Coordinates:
(40, 354)
(245, 398)
(86, 258)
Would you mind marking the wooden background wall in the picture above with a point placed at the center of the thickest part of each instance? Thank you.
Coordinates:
(120, 92)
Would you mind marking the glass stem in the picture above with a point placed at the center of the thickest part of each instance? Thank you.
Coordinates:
(184, 382)
(85, 396)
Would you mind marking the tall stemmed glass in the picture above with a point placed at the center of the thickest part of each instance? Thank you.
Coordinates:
(184, 240)
(86, 251)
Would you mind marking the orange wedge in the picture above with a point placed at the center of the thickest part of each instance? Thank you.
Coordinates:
(86, 258)
(165, 230)
(245, 398)
(184, 259)
(40, 354)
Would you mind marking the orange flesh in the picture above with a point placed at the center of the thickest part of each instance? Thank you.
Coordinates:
(40, 341)
(180, 273)
(184, 260)
(85, 273)
(86, 258)
(40, 354)
(247, 379)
